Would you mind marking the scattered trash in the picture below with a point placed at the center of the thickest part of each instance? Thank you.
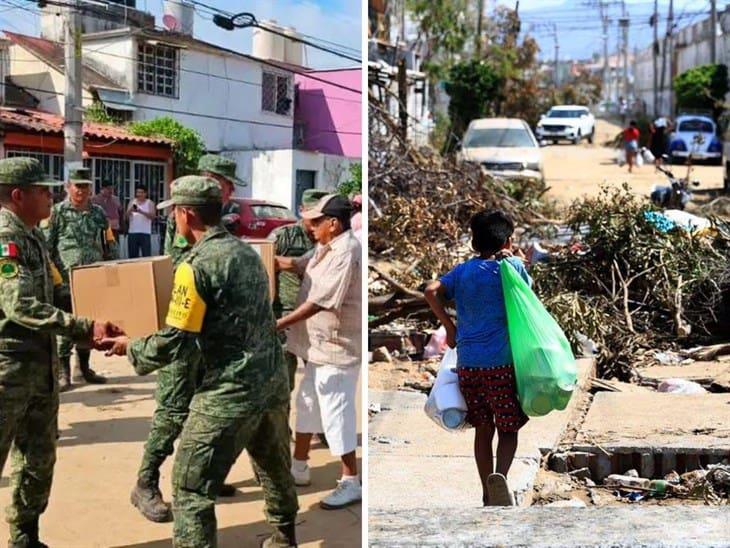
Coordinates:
(374, 408)
(668, 358)
(680, 386)
(581, 473)
(382, 355)
(572, 503)
(619, 480)
(632, 473)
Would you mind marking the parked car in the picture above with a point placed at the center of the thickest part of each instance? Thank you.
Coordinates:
(259, 217)
(505, 147)
(695, 136)
(571, 122)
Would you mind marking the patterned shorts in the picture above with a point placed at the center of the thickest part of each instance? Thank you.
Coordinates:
(491, 397)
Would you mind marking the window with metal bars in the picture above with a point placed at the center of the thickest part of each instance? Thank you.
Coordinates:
(276, 93)
(157, 70)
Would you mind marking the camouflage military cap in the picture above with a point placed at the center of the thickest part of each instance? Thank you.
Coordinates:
(225, 167)
(311, 196)
(80, 176)
(192, 190)
(22, 171)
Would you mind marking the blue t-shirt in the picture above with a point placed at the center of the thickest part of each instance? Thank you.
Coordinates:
(482, 339)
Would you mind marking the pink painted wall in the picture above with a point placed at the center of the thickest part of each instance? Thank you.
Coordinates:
(332, 116)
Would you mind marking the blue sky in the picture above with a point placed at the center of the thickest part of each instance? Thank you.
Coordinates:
(578, 23)
(332, 20)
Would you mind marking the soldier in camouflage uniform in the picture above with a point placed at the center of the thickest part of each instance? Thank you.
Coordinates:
(220, 316)
(176, 383)
(78, 233)
(292, 241)
(29, 284)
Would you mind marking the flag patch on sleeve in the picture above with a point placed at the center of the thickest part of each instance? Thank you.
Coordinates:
(9, 250)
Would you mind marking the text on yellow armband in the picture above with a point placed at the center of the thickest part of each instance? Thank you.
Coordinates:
(187, 307)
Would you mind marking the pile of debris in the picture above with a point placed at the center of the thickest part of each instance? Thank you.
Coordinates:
(614, 276)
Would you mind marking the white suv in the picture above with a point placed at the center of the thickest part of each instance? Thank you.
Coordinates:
(571, 122)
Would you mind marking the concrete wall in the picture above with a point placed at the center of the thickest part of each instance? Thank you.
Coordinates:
(29, 71)
(271, 174)
(332, 115)
(692, 49)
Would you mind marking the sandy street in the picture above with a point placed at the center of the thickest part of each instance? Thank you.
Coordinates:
(572, 171)
(103, 429)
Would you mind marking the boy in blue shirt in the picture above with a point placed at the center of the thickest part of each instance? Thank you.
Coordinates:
(484, 366)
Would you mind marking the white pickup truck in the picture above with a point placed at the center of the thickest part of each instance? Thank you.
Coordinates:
(566, 122)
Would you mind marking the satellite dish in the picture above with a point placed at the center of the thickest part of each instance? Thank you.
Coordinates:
(170, 22)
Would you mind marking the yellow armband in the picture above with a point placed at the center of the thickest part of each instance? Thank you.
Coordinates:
(56, 275)
(187, 307)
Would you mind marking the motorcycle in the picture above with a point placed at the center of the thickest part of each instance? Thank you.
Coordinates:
(675, 196)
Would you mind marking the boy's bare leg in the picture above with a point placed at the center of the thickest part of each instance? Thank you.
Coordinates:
(349, 464)
(483, 437)
(506, 449)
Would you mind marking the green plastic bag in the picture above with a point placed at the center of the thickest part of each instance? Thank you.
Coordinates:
(545, 368)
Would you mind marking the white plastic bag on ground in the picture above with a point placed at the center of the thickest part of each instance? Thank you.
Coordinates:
(647, 155)
(687, 220)
(680, 386)
(445, 400)
(638, 159)
(621, 157)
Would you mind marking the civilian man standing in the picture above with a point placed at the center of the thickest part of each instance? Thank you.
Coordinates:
(77, 233)
(29, 285)
(326, 332)
(111, 205)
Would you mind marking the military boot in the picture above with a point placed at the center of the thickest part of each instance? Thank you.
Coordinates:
(284, 536)
(25, 536)
(64, 374)
(85, 372)
(148, 500)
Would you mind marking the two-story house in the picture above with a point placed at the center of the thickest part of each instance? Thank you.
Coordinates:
(242, 105)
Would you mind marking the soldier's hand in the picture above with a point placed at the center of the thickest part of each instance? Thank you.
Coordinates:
(105, 330)
(114, 346)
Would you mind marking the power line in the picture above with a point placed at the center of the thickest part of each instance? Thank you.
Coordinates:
(184, 113)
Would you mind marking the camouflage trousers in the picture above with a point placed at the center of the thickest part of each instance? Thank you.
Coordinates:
(65, 345)
(208, 448)
(29, 425)
(175, 388)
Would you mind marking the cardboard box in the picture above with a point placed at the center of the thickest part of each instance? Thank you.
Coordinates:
(133, 294)
(266, 250)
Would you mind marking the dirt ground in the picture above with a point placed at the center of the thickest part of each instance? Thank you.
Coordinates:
(572, 171)
(102, 433)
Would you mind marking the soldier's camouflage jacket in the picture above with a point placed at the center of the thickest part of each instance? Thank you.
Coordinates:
(28, 319)
(220, 314)
(78, 237)
(291, 241)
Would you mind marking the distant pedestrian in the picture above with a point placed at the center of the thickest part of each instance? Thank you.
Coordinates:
(484, 364)
(141, 212)
(631, 143)
(111, 205)
(325, 332)
(657, 143)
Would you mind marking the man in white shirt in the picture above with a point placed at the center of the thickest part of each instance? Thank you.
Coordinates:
(140, 214)
(325, 332)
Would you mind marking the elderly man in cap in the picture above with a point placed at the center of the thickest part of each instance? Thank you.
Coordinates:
(78, 233)
(220, 317)
(29, 321)
(325, 331)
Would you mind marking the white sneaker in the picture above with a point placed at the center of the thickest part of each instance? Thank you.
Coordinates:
(346, 493)
(301, 476)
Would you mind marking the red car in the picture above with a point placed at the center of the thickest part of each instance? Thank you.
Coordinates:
(259, 217)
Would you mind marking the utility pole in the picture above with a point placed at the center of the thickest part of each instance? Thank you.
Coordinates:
(655, 55)
(403, 99)
(557, 52)
(713, 31)
(670, 47)
(604, 21)
(73, 135)
(624, 22)
(478, 39)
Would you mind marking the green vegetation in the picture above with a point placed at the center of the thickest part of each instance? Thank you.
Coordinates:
(189, 146)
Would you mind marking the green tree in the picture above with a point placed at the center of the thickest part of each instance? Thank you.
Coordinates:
(188, 148)
(475, 90)
(702, 88)
(97, 113)
(353, 183)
